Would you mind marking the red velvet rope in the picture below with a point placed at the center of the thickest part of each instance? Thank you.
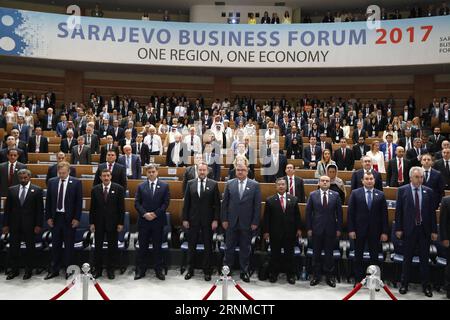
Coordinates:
(245, 294)
(100, 291)
(209, 293)
(389, 292)
(352, 293)
(63, 291)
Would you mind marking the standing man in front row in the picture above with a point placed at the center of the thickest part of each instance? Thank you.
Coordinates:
(324, 225)
(106, 217)
(282, 225)
(201, 213)
(24, 215)
(415, 223)
(241, 208)
(63, 213)
(367, 222)
(151, 202)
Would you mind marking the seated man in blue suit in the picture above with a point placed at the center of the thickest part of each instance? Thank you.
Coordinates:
(415, 223)
(367, 222)
(324, 225)
(151, 202)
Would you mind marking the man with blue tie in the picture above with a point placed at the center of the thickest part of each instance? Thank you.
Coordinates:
(131, 162)
(63, 212)
(324, 225)
(415, 223)
(152, 200)
(241, 208)
(367, 222)
(433, 179)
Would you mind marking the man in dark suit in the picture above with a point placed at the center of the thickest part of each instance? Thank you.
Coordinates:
(92, 140)
(360, 149)
(241, 208)
(445, 145)
(444, 226)
(312, 154)
(201, 213)
(433, 179)
(81, 153)
(407, 140)
(108, 146)
(192, 171)
(414, 154)
(367, 222)
(132, 163)
(324, 225)
(141, 149)
(415, 223)
(397, 173)
(213, 158)
(49, 121)
(24, 129)
(53, 170)
(63, 213)
(295, 185)
(358, 175)
(118, 171)
(24, 215)
(38, 143)
(323, 143)
(116, 131)
(274, 164)
(21, 146)
(344, 156)
(68, 143)
(358, 132)
(151, 202)
(436, 140)
(443, 166)
(106, 218)
(177, 153)
(8, 171)
(282, 225)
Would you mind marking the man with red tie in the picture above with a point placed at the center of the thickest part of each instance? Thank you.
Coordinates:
(324, 225)
(282, 225)
(398, 169)
(388, 148)
(295, 185)
(8, 171)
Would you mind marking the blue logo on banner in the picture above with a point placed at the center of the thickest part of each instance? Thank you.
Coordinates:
(10, 42)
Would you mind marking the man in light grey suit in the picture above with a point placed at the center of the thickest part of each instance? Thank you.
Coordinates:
(81, 153)
(241, 208)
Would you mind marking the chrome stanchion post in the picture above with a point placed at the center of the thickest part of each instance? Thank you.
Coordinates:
(225, 272)
(85, 277)
(373, 280)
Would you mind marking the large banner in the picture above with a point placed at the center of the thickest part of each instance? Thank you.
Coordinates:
(419, 41)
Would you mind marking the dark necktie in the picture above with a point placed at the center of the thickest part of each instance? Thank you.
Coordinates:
(325, 202)
(417, 207)
(22, 195)
(105, 194)
(447, 167)
(61, 195)
(202, 187)
(426, 175)
(138, 148)
(152, 189)
(11, 174)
